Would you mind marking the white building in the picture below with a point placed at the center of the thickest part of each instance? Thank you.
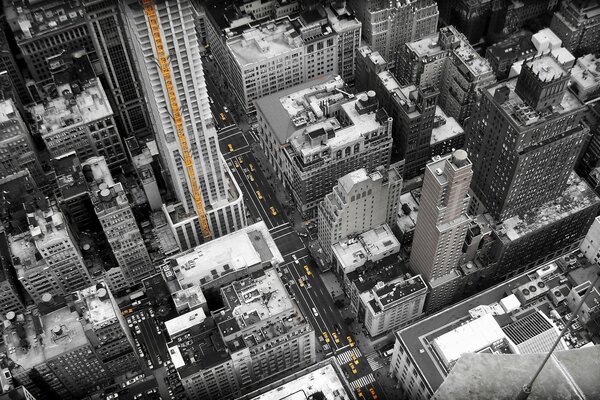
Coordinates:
(117, 220)
(359, 202)
(442, 224)
(221, 197)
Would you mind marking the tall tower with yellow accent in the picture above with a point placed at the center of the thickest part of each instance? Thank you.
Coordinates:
(166, 44)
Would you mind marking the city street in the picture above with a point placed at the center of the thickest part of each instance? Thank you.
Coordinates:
(145, 331)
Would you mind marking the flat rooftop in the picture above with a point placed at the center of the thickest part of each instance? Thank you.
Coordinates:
(546, 67)
(62, 332)
(418, 338)
(191, 297)
(388, 80)
(69, 175)
(100, 311)
(241, 249)
(185, 321)
(374, 56)
(447, 129)
(586, 72)
(75, 105)
(386, 270)
(428, 46)
(8, 111)
(407, 217)
(577, 196)
(388, 293)
(469, 58)
(324, 380)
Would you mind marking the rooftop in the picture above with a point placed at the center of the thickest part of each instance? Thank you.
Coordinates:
(47, 336)
(515, 46)
(241, 249)
(418, 337)
(75, 105)
(8, 111)
(409, 203)
(325, 380)
(376, 58)
(341, 19)
(387, 270)
(577, 196)
(106, 195)
(546, 67)
(444, 127)
(185, 321)
(586, 73)
(477, 65)
(385, 294)
(99, 310)
(426, 47)
(69, 175)
(191, 298)
(389, 81)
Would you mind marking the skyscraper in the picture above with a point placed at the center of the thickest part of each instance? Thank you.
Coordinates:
(185, 131)
(524, 139)
(442, 224)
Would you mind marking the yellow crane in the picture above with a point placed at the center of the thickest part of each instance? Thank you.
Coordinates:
(176, 113)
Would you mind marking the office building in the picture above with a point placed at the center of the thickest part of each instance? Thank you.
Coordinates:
(46, 30)
(106, 329)
(118, 223)
(520, 316)
(213, 196)
(11, 296)
(413, 110)
(526, 156)
(577, 24)
(449, 63)
(388, 26)
(48, 258)
(442, 225)
(17, 151)
(504, 54)
(369, 63)
(359, 202)
(79, 118)
(315, 133)
(234, 357)
(58, 360)
(278, 54)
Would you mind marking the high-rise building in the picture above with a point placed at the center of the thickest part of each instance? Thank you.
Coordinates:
(47, 258)
(577, 24)
(413, 110)
(51, 355)
(13, 86)
(476, 19)
(116, 217)
(315, 133)
(120, 76)
(524, 139)
(79, 118)
(17, 151)
(359, 202)
(347, 28)
(185, 130)
(442, 225)
(368, 64)
(45, 30)
(504, 54)
(11, 298)
(105, 329)
(387, 26)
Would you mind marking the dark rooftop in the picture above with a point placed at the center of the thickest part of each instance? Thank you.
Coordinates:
(366, 277)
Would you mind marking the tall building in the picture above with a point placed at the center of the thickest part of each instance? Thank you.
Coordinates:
(15, 85)
(368, 64)
(524, 139)
(45, 30)
(387, 26)
(413, 110)
(47, 258)
(116, 217)
(478, 20)
(234, 357)
(51, 355)
(180, 93)
(78, 117)
(17, 151)
(359, 202)
(11, 296)
(120, 76)
(347, 28)
(504, 54)
(442, 225)
(105, 329)
(577, 24)
(315, 133)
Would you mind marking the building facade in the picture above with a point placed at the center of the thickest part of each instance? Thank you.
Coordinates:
(577, 24)
(369, 63)
(315, 133)
(11, 298)
(222, 201)
(442, 225)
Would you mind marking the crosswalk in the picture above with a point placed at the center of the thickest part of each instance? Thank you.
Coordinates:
(363, 381)
(373, 360)
(346, 357)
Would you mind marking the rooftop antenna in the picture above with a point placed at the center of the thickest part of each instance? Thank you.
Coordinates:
(526, 390)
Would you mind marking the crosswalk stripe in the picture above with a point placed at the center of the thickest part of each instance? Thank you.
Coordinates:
(346, 357)
(363, 381)
(373, 362)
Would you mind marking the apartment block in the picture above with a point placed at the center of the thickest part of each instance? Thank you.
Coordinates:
(47, 257)
(315, 133)
(388, 26)
(577, 24)
(359, 202)
(442, 225)
(193, 129)
(525, 156)
(413, 110)
(118, 223)
(17, 151)
(237, 350)
(105, 329)
(79, 118)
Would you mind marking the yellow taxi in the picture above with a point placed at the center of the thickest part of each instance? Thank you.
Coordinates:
(326, 337)
(240, 159)
(273, 210)
(251, 167)
(352, 368)
(250, 177)
(259, 195)
(359, 393)
(223, 117)
(335, 337)
(308, 272)
(230, 147)
(300, 282)
(237, 165)
(350, 341)
(354, 358)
